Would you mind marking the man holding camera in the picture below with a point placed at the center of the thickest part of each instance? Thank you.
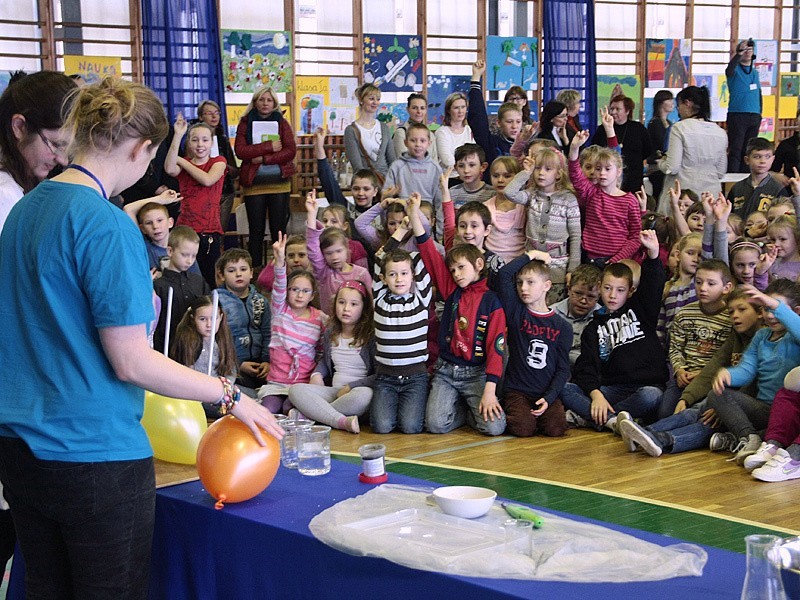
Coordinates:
(744, 108)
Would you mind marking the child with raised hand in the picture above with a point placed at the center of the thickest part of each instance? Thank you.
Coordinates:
(697, 330)
(612, 218)
(717, 231)
(463, 388)
(328, 251)
(507, 236)
(680, 290)
(402, 300)
(622, 365)
(784, 236)
(248, 315)
(193, 343)
(774, 351)
(335, 215)
(470, 166)
(693, 423)
(296, 258)
(778, 457)
(296, 330)
(390, 212)
(509, 117)
(539, 342)
(201, 179)
(553, 217)
(415, 172)
(340, 388)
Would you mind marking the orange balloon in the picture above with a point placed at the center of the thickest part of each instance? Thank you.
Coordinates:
(231, 464)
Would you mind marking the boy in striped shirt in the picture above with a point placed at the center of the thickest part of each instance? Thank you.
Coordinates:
(402, 299)
(698, 330)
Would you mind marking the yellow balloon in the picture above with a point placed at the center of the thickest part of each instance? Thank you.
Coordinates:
(174, 427)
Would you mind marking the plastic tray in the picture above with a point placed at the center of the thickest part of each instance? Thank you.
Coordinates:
(447, 536)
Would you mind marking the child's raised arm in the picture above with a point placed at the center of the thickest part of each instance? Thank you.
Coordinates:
(311, 209)
(327, 179)
(166, 197)
(578, 141)
(677, 216)
(278, 298)
(279, 251)
(412, 208)
(171, 161)
(722, 211)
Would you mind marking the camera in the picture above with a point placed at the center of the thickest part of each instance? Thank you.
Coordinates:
(751, 43)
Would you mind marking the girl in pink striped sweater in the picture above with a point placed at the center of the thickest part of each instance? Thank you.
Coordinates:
(296, 330)
(612, 218)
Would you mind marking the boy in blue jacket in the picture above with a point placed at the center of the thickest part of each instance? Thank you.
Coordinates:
(248, 316)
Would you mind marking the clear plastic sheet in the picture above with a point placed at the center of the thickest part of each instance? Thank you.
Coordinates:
(563, 549)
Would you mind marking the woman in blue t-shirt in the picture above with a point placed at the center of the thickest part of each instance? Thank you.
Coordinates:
(75, 462)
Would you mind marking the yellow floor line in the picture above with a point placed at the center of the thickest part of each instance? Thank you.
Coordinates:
(583, 488)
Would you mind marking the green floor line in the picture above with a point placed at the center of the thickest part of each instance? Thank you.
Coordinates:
(679, 523)
(457, 448)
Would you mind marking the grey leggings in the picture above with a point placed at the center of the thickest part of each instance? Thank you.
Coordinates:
(320, 403)
(741, 414)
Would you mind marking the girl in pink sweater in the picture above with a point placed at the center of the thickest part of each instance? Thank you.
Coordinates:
(296, 330)
(329, 254)
(612, 218)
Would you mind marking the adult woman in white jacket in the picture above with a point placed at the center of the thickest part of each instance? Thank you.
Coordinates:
(696, 155)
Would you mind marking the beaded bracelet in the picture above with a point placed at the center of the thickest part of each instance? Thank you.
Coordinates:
(230, 396)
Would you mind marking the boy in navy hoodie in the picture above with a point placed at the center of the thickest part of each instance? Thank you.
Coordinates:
(539, 341)
(622, 366)
(471, 338)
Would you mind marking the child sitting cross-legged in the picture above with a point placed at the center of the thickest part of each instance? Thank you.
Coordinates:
(463, 388)
(694, 423)
(340, 388)
(248, 315)
(539, 342)
(698, 330)
(622, 365)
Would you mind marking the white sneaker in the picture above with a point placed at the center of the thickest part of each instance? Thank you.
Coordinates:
(762, 456)
(611, 425)
(623, 416)
(638, 435)
(745, 448)
(574, 419)
(780, 468)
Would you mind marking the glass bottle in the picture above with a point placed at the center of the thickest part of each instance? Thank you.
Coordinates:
(763, 579)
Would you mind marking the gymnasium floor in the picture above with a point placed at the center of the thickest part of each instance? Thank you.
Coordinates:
(695, 496)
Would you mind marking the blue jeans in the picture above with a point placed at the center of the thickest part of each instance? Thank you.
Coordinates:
(670, 399)
(85, 529)
(399, 402)
(686, 429)
(455, 398)
(639, 401)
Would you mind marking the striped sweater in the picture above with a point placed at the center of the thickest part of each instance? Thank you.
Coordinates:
(695, 336)
(401, 325)
(677, 297)
(611, 223)
(296, 342)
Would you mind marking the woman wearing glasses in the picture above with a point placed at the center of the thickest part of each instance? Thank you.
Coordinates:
(518, 96)
(31, 141)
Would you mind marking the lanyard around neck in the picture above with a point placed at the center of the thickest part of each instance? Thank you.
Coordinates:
(88, 173)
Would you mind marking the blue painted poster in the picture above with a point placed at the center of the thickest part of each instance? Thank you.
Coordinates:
(512, 61)
(439, 88)
(393, 62)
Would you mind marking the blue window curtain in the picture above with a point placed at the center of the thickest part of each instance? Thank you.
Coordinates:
(182, 61)
(569, 54)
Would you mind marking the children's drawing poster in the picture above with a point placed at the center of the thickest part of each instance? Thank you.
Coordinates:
(766, 62)
(326, 102)
(393, 62)
(93, 68)
(251, 59)
(790, 85)
(667, 64)
(393, 114)
(712, 83)
(767, 127)
(512, 61)
(439, 88)
(609, 86)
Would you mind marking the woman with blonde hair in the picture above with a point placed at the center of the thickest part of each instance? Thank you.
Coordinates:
(367, 141)
(265, 144)
(75, 462)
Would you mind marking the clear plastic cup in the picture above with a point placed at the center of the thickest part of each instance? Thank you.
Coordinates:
(289, 441)
(314, 450)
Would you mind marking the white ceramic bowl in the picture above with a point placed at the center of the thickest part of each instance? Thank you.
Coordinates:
(464, 501)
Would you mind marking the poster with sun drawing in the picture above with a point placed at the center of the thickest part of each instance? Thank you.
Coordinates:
(512, 61)
(393, 62)
(251, 59)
